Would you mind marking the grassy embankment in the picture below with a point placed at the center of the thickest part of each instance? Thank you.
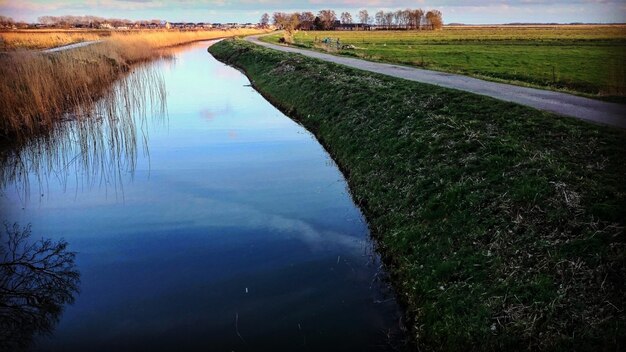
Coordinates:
(502, 226)
(36, 88)
(585, 60)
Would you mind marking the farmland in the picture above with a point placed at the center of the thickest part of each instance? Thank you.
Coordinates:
(585, 60)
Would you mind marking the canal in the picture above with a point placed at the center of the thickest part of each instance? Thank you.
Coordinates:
(219, 225)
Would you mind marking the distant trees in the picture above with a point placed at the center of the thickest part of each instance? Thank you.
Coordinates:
(434, 19)
(364, 17)
(288, 22)
(307, 21)
(6, 21)
(388, 18)
(265, 20)
(407, 19)
(327, 19)
(91, 21)
(415, 18)
(346, 18)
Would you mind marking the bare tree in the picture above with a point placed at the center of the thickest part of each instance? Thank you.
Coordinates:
(36, 280)
(415, 18)
(265, 20)
(6, 21)
(327, 19)
(307, 20)
(397, 18)
(434, 18)
(288, 22)
(388, 17)
(405, 18)
(364, 16)
(278, 18)
(346, 18)
(380, 18)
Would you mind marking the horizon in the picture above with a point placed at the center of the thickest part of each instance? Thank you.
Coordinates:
(469, 12)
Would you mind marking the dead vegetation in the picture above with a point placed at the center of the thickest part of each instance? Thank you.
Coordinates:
(38, 88)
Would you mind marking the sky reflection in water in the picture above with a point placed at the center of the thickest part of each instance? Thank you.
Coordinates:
(236, 221)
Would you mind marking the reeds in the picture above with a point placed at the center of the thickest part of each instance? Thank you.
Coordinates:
(37, 39)
(37, 88)
(44, 39)
(101, 142)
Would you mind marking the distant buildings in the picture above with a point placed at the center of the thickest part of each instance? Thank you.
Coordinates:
(119, 24)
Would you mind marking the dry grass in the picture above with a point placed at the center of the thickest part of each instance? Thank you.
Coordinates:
(33, 40)
(161, 39)
(38, 88)
(44, 39)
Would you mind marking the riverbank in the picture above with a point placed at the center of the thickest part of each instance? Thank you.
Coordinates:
(501, 226)
(38, 88)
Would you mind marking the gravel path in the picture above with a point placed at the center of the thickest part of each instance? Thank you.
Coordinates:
(560, 103)
(71, 46)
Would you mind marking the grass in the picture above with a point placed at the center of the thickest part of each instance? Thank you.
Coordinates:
(37, 89)
(502, 226)
(44, 39)
(585, 60)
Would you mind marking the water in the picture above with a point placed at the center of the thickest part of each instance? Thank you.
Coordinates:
(231, 230)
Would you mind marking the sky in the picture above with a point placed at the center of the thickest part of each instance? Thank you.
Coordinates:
(459, 11)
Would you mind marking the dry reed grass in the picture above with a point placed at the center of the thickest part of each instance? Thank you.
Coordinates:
(38, 88)
(45, 39)
(33, 40)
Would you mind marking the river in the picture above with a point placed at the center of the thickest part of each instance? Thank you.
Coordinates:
(227, 228)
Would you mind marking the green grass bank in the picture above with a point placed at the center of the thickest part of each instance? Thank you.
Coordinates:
(586, 60)
(502, 227)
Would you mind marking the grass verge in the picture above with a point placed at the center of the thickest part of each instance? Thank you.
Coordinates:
(502, 226)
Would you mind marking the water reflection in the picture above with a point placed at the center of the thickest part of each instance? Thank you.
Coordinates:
(37, 279)
(236, 233)
(96, 144)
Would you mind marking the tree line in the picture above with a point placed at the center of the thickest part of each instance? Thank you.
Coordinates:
(92, 21)
(408, 19)
(9, 22)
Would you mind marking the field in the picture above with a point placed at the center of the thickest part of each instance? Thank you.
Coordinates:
(38, 88)
(502, 226)
(582, 59)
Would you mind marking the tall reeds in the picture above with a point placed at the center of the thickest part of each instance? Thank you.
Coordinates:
(100, 140)
(37, 89)
(38, 39)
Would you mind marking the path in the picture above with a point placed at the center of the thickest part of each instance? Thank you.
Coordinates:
(560, 103)
(71, 46)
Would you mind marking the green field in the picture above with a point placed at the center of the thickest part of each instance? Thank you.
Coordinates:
(587, 60)
(502, 227)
